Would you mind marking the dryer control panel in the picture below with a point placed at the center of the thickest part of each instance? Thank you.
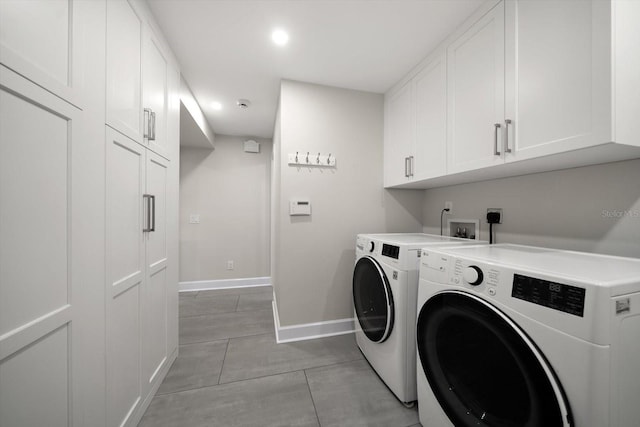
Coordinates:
(558, 296)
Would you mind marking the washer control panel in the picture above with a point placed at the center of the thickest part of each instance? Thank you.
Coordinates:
(445, 269)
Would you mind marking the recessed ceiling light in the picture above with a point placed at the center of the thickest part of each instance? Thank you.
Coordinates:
(216, 105)
(280, 37)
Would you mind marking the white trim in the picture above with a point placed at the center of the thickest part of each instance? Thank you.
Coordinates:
(309, 331)
(203, 285)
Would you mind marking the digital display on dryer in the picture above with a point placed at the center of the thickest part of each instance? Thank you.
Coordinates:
(390, 251)
(566, 298)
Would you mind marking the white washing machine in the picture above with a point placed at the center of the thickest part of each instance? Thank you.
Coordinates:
(512, 335)
(385, 288)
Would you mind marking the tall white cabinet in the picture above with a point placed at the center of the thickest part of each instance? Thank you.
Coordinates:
(88, 212)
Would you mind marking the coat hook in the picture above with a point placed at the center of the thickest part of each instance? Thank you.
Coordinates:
(318, 159)
(329, 159)
(296, 157)
(307, 157)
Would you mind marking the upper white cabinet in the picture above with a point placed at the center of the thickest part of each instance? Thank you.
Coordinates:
(124, 69)
(430, 97)
(137, 69)
(154, 94)
(415, 126)
(46, 41)
(398, 136)
(534, 86)
(476, 93)
(558, 91)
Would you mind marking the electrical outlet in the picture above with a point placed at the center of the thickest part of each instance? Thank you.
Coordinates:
(194, 219)
(229, 265)
(449, 205)
(498, 210)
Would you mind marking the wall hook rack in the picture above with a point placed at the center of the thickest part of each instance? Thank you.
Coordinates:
(320, 160)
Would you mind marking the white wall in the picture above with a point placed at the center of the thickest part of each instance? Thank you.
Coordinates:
(314, 255)
(593, 208)
(230, 190)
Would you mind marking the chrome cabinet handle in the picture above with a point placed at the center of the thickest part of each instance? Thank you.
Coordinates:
(152, 137)
(152, 225)
(411, 165)
(495, 139)
(406, 167)
(507, 122)
(147, 123)
(146, 227)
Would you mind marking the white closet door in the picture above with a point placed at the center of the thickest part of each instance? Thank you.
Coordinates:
(154, 306)
(38, 296)
(125, 274)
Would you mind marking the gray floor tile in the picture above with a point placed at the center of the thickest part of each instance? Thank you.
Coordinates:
(255, 301)
(197, 365)
(239, 291)
(208, 304)
(351, 394)
(280, 400)
(258, 356)
(213, 327)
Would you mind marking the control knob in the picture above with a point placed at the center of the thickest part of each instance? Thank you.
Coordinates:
(473, 275)
(372, 246)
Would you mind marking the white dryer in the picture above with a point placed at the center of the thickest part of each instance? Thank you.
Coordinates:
(512, 335)
(385, 288)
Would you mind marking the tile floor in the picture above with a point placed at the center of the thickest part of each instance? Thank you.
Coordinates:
(230, 372)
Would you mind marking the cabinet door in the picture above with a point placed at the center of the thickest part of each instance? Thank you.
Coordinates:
(125, 173)
(154, 94)
(399, 134)
(40, 307)
(557, 76)
(475, 81)
(154, 303)
(124, 41)
(430, 93)
(40, 40)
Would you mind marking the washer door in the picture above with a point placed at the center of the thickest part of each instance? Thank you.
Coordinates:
(482, 367)
(372, 299)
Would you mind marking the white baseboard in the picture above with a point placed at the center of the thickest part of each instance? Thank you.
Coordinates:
(203, 285)
(309, 331)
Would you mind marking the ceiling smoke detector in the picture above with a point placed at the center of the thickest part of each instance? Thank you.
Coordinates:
(243, 103)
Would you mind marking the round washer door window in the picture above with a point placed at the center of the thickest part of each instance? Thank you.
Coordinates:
(372, 299)
(483, 370)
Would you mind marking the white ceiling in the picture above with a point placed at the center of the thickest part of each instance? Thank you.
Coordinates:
(225, 50)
